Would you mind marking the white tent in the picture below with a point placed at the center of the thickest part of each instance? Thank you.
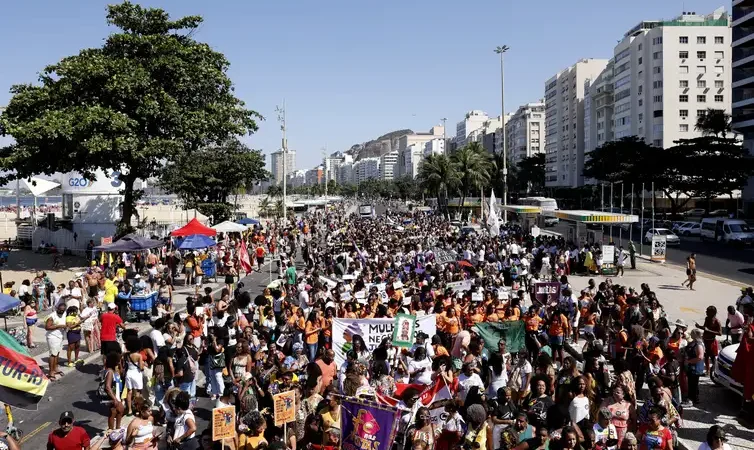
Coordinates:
(229, 227)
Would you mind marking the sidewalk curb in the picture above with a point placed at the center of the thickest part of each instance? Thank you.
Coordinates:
(682, 269)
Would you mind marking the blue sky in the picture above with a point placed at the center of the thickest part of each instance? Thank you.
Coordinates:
(351, 70)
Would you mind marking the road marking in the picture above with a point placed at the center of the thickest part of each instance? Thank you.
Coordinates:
(35, 432)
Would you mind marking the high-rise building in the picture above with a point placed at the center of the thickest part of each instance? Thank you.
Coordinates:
(564, 126)
(389, 165)
(413, 157)
(409, 140)
(366, 169)
(742, 45)
(345, 172)
(525, 132)
(331, 164)
(276, 164)
(315, 175)
(434, 147)
(473, 121)
(297, 178)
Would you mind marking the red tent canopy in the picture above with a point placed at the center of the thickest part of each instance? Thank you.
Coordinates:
(194, 227)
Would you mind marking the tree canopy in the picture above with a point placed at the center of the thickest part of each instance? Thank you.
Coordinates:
(151, 95)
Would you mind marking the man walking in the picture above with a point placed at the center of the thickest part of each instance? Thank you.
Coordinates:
(632, 254)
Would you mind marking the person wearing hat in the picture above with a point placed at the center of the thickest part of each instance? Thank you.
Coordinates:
(109, 324)
(68, 436)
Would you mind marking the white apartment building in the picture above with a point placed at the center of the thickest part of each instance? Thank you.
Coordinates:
(389, 165)
(366, 169)
(668, 72)
(434, 147)
(564, 122)
(598, 111)
(297, 178)
(418, 139)
(345, 172)
(525, 132)
(473, 121)
(331, 164)
(413, 157)
(276, 164)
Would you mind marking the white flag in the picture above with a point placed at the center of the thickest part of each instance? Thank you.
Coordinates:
(492, 219)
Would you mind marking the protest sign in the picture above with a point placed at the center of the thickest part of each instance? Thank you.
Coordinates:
(459, 286)
(373, 331)
(368, 425)
(444, 256)
(512, 331)
(403, 330)
(284, 407)
(547, 292)
(223, 423)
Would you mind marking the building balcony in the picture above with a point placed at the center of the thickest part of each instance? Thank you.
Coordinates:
(742, 4)
(742, 14)
(742, 98)
(743, 56)
(743, 35)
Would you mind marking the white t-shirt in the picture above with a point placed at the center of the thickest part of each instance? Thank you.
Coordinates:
(158, 340)
(424, 377)
(579, 409)
(466, 383)
(705, 446)
(180, 424)
(736, 320)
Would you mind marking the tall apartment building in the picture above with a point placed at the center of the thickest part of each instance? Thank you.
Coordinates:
(389, 165)
(366, 169)
(418, 139)
(412, 159)
(276, 164)
(331, 164)
(564, 122)
(742, 43)
(315, 175)
(473, 121)
(297, 178)
(598, 111)
(525, 132)
(434, 147)
(345, 173)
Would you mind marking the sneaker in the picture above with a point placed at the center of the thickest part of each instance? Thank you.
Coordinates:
(70, 364)
(79, 361)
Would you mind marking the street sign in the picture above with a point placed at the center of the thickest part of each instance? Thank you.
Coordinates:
(659, 247)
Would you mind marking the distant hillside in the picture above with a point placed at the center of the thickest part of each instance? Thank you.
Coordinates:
(377, 147)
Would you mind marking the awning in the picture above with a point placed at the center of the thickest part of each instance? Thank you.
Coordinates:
(195, 241)
(194, 227)
(592, 216)
(521, 209)
(229, 227)
(130, 243)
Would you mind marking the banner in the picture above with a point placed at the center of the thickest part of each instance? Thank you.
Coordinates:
(403, 330)
(459, 286)
(444, 256)
(373, 331)
(284, 405)
(367, 425)
(22, 382)
(434, 396)
(512, 331)
(546, 293)
(659, 247)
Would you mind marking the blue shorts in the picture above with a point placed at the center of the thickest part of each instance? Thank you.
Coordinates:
(556, 341)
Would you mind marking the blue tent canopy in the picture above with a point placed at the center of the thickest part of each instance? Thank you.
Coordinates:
(7, 303)
(195, 241)
(248, 221)
(130, 243)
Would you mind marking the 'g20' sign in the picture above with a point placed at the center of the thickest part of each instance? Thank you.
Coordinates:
(80, 182)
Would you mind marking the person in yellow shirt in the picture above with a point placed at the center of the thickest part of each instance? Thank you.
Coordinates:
(111, 291)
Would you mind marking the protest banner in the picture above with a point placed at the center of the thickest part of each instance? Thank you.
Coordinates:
(223, 423)
(373, 331)
(284, 407)
(512, 331)
(368, 425)
(459, 286)
(434, 397)
(444, 256)
(547, 292)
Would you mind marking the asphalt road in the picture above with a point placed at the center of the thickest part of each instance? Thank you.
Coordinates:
(720, 260)
(77, 393)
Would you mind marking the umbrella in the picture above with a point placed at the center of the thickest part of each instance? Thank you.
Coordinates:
(229, 227)
(195, 241)
(248, 221)
(7, 303)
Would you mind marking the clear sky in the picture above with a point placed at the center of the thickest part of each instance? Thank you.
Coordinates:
(351, 70)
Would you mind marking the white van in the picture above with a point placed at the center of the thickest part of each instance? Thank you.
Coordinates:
(726, 230)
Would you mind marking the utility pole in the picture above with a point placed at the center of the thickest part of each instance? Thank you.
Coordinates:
(324, 163)
(444, 134)
(281, 118)
(501, 51)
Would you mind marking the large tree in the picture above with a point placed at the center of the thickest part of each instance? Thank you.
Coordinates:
(474, 167)
(205, 178)
(438, 175)
(150, 95)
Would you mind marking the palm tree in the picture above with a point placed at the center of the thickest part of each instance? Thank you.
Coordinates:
(474, 167)
(275, 191)
(714, 122)
(279, 209)
(438, 174)
(264, 205)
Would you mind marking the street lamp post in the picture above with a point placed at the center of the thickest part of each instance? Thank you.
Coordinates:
(501, 51)
(444, 134)
(281, 118)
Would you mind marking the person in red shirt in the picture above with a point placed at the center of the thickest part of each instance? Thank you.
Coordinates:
(110, 322)
(68, 436)
(329, 370)
(260, 255)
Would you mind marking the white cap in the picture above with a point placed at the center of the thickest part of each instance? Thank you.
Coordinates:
(111, 305)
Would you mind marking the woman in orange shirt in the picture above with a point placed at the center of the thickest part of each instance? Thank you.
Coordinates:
(311, 334)
(451, 323)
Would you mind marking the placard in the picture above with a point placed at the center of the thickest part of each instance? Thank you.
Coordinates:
(608, 254)
(105, 240)
(547, 292)
(459, 286)
(403, 330)
(477, 297)
(659, 247)
(223, 423)
(284, 405)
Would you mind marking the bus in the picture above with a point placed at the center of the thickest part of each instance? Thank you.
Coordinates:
(366, 211)
(545, 204)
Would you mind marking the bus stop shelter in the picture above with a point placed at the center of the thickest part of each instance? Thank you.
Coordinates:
(527, 214)
(586, 226)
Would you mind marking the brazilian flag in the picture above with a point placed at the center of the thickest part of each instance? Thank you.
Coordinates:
(22, 381)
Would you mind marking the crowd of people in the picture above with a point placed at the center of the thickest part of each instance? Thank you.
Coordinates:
(575, 381)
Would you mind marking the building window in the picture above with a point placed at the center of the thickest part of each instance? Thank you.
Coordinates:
(719, 40)
(683, 128)
(657, 84)
(683, 98)
(683, 84)
(683, 69)
(719, 55)
(683, 55)
(641, 102)
(657, 98)
(718, 84)
(701, 98)
(656, 113)
(657, 142)
(683, 39)
(657, 55)
(718, 98)
(641, 116)
(719, 69)
(701, 55)
(683, 113)
(641, 89)
(700, 113)
(701, 69)
(657, 69)
(701, 40)
(701, 84)
(640, 47)
(640, 59)
(657, 41)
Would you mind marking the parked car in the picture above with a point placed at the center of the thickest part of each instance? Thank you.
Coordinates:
(670, 237)
(695, 212)
(677, 225)
(551, 221)
(732, 231)
(690, 229)
(719, 213)
(722, 373)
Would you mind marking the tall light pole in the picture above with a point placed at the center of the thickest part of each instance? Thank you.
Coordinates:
(501, 51)
(281, 118)
(444, 134)
(324, 162)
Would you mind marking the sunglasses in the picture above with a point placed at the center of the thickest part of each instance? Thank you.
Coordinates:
(66, 422)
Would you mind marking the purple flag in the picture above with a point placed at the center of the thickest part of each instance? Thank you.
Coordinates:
(368, 425)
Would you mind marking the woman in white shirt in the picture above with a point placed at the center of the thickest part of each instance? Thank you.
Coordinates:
(184, 433)
(420, 367)
(88, 317)
(715, 439)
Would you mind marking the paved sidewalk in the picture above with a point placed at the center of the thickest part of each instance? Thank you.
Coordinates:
(717, 406)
